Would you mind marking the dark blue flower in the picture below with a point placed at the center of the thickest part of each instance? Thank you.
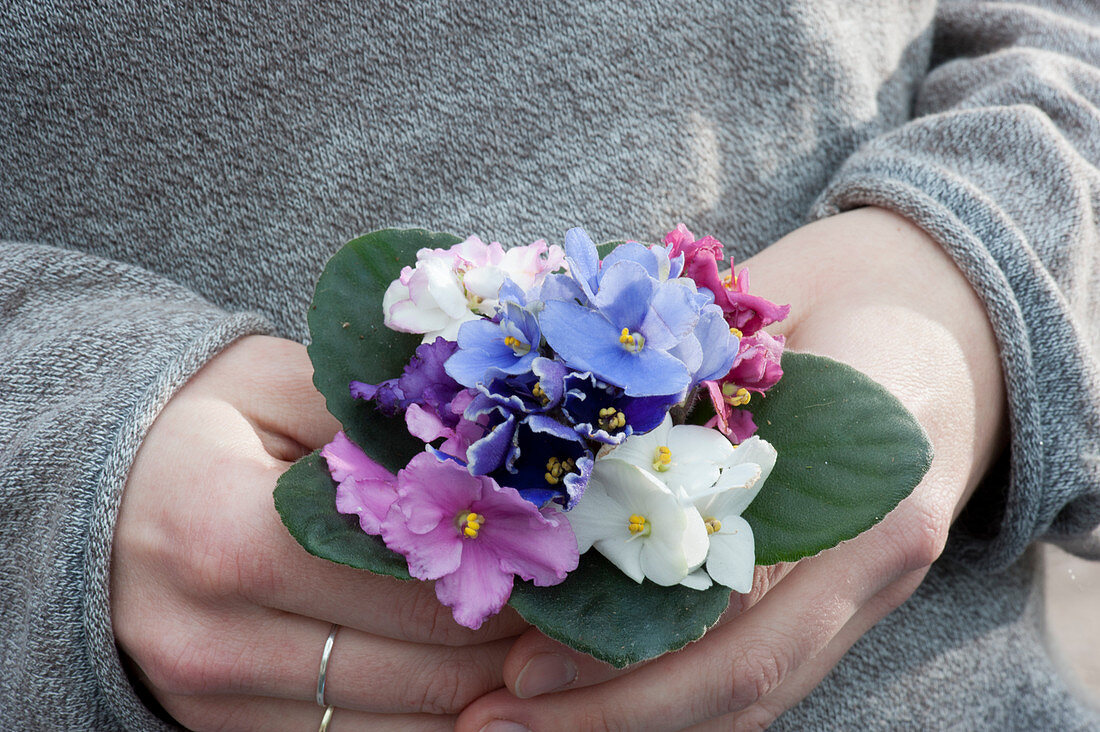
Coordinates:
(604, 413)
(504, 400)
(548, 461)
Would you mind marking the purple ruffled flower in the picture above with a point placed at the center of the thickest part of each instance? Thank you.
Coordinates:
(424, 381)
(473, 536)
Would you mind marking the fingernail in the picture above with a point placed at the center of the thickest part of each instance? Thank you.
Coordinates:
(545, 672)
(503, 725)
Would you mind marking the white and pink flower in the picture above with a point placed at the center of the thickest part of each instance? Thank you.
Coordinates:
(449, 287)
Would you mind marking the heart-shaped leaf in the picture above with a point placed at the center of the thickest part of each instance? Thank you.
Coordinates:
(602, 612)
(349, 341)
(305, 498)
(849, 452)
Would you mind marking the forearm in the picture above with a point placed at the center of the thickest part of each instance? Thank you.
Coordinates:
(88, 358)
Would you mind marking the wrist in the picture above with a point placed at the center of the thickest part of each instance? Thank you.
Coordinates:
(870, 288)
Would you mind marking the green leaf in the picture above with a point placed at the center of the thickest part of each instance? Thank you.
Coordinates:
(849, 452)
(602, 250)
(349, 341)
(602, 612)
(305, 498)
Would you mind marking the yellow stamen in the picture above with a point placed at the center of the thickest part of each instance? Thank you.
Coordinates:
(469, 523)
(632, 342)
(517, 345)
(638, 524)
(713, 525)
(538, 392)
(735, 398)
(662, 459)
(556, 469)
(737, 333)
(612, 419)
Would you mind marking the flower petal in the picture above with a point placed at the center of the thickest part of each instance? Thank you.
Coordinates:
(346, 460)
(431, 554)
(732, 555)
(477, 588)
(697, 580)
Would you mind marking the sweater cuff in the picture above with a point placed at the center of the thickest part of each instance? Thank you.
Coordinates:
(120, 695)
(1052, 487)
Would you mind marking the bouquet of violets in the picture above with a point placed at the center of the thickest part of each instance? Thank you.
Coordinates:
(574, 432)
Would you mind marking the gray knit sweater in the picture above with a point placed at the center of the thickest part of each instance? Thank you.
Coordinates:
(173, 178)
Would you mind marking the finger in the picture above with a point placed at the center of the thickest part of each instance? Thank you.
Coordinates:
(271, 381)
(259, 714)
(806, 677)
(276, 572)
(540, 665)
(730, 669)
(263, 653)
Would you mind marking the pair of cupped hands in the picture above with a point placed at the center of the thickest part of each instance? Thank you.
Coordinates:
(223, 616)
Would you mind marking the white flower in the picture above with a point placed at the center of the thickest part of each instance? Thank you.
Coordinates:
(449, 287)
(718, 480)
(638, 524)
(732, 554)
(428, 299)
(678, 455)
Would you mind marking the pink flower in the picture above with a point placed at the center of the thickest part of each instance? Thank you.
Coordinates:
(736, 424)
(364, 487)
(757, 366)
(473, 536)
(449, 287)
(745, 312)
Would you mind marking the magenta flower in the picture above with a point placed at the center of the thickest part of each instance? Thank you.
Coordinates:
(736, 424)
(757, 366)
(747, 313)
(473, 536)
(363, 486)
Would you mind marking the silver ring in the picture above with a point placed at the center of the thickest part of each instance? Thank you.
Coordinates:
(326, 718)
(323, 672)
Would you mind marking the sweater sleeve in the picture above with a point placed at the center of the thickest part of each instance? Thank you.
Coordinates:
(1000, 164)
(90, 351)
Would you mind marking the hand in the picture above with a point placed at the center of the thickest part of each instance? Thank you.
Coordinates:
(870, 289)
(223, 616)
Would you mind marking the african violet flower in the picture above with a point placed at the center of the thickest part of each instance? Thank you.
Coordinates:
(604, 413)
(645, 530)
(363, 486)
(732, 554)
(424, 382)
(745, 312)
(677, 455)
(757, 367)
(736, 424)
(449, 287)
(472, 536)
(546, 461)
(635, 331)
(507, 345)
